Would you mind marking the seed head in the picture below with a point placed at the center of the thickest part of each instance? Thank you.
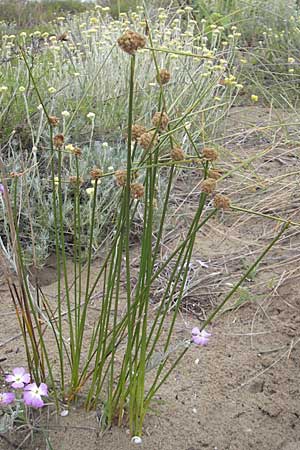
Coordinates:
(74, 181)
(208, 186)
(77, 151)
(96, 173)
(131, 41)
(215, 174)
(137, 190)
(58, 140)
(148, 140)
(137, 131)
(163, 77)
(121, 177)
(210, 154)
(161, 120)
(54, 121)
(221, 201)
(177, 154)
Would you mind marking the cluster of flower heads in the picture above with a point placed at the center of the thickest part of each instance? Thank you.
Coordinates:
(32, 393)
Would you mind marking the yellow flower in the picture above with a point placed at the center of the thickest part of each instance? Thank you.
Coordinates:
(69, 147)
(254, 98)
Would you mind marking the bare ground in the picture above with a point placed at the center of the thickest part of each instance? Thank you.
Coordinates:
(242, 391)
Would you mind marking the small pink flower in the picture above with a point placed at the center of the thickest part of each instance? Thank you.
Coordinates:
(33, 395)
(19, 378)
(1, 189)
(200, 337)
(6, 398)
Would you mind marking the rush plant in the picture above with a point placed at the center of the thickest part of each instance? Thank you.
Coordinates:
(119, 354)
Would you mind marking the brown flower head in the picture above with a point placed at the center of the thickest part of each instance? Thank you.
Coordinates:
(208, 186)
(121, 177)
(148, 140)
(221, 201)
(163, 77)
(131, 41)
(160, 120)
(210, 153)
(177, 154)
(215, 174)
(74, 181)
(77, 151)
(58, 140)
(137, 131)
(54, 121)
(137, 190)
(96, 173)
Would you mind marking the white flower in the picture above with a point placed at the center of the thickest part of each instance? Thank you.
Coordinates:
(136, 440)
(91, 115)
(40, 108)
(3, 89)
(65, 114)
(90, 191)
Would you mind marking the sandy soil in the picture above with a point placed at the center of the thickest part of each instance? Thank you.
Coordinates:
(242, 391)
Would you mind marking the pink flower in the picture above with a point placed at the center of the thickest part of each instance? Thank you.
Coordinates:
(33, 395)
(200, 337)
(19, 378)
(1, 188)
(6, 398)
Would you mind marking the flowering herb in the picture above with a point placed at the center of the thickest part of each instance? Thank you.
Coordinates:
(200, 337)
(1, 188)
(33, 395)
(6, 398)
(18, 378)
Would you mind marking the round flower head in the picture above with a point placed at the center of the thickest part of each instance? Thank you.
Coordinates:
(65, 114)
(90, 191)
(121, 177)
(77, 151)
(76, 181)
(131, 41)
(54, 121)
(137, 131)
(200, 337)
(137, 190)
(148, 140)
(91, 115)
(177, 154)
(96, 173)
(210, 154)
(215, 174)
(18, 378)
(221, 201)
(160, 120)
(163, 77)
(58, 140)
(208, 186)
(6, 398)
(33, 395)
